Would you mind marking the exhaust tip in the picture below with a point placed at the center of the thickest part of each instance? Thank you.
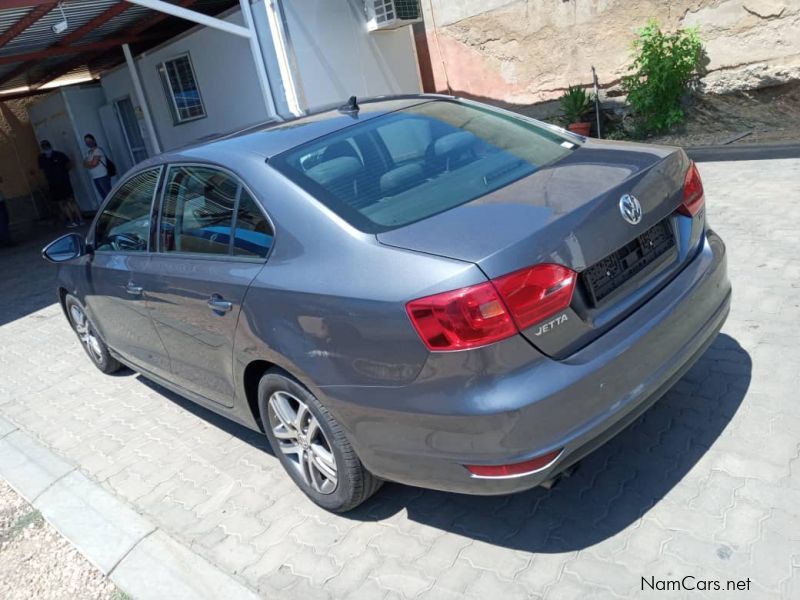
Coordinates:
(549, 484)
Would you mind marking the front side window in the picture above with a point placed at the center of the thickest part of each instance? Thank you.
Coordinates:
(180, 86)
(197, 211)
(419, 161)
(124, 224)
(207, 211)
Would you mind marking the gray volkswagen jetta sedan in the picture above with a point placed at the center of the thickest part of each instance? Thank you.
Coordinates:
(420, 289)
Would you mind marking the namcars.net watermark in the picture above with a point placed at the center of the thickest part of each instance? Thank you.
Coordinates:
(691, 583)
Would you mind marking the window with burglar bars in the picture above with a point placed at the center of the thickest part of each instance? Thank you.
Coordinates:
(181, 88)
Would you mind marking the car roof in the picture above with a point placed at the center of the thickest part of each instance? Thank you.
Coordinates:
(269, 139)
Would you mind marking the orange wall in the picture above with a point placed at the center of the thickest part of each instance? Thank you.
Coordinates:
(523, 52)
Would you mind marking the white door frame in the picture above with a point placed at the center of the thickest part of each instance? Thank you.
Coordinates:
(125, 135)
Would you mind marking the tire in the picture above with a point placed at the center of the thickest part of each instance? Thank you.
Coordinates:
(316, 452)
(90, 340)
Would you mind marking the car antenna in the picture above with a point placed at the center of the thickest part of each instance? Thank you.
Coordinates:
(351, 108)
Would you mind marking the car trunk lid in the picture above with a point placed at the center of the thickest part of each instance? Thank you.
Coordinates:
(569, 213)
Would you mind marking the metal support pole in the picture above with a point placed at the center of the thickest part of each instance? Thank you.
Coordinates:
(596, 102)
(137, 87)
(258, 59)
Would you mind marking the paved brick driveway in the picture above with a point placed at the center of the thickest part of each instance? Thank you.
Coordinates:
(706, 484)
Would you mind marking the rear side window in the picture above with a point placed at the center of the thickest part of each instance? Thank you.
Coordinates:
(124, 224)
(207, 211)
(411, 164)
(253, 233)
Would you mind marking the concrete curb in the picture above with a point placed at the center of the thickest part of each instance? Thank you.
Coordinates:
(137, 556)
(743, 152)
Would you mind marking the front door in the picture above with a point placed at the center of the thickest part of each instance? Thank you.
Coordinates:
(130, 129)
(116, 299)
(213, 241)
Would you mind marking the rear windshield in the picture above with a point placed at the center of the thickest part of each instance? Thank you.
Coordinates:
(411, 164)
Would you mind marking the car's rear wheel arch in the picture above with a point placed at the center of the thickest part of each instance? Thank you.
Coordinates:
(251, 378)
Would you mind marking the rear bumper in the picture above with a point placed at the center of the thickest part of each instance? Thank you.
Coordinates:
(507, 403)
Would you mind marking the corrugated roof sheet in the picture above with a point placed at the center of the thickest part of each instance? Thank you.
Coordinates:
(10, 16)
(39, 35)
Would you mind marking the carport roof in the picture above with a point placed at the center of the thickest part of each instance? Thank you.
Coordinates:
(33, 58)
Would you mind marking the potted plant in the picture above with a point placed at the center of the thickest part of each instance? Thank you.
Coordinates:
(575, 104)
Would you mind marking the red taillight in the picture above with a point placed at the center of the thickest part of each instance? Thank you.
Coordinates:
(535, 293)
(485, 313)
(693, 196)
(465, 318)
(521, 468)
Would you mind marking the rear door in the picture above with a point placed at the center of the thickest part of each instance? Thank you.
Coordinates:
(213, 239)
(116, 300)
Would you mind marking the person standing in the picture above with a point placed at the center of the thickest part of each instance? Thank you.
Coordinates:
(97, 163)
(56, 166)
(5, 237)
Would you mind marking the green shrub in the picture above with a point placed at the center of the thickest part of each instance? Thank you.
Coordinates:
(615, 134)
(575, 104)
(662, 68)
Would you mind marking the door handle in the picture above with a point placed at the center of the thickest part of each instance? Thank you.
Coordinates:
(134, 290)
(217, 304)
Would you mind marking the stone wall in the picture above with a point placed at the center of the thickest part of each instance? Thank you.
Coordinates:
(527, 51)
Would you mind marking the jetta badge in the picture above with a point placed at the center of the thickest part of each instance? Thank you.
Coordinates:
(630, 208)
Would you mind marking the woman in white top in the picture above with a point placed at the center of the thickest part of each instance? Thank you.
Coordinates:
(96, 161)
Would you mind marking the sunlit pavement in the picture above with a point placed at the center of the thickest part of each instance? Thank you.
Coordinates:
(706, 484)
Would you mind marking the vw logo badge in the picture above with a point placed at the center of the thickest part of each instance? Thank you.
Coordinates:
(630, 208)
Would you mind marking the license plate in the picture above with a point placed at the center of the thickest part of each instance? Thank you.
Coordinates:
(608, 274)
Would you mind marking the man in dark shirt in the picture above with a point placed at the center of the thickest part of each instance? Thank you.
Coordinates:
(5, 237)
(56, 166)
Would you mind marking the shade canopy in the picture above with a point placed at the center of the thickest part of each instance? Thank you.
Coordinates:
(37, 52)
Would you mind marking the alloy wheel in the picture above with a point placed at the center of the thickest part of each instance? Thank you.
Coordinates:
(303, 441)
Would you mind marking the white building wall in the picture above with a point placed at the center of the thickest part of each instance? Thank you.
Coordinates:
(117, 85)
(226, 78)
(63, 118)
(334, 55)
(337, 57)
(225, 74)
(82, 104)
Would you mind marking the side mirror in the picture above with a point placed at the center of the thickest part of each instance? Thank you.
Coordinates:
(67, 247)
